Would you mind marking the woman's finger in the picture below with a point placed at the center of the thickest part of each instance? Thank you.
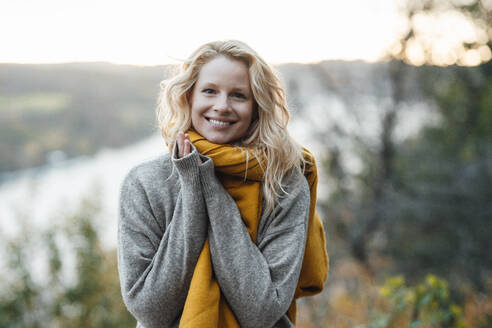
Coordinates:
(180, 140)
(187, 137)
(186, 147)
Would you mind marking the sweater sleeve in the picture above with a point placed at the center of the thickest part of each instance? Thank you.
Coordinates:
(258, 281)
(156, 255)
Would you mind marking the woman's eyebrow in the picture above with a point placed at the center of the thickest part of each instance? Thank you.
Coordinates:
(208, 84)
(241, 89)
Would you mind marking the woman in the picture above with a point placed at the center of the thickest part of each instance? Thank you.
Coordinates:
(222, 232)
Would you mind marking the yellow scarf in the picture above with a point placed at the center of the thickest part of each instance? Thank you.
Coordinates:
(205, 305)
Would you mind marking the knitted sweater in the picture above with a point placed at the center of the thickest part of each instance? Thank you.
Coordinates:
(168, 206)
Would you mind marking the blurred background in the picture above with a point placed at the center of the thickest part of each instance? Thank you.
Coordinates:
(394, 97)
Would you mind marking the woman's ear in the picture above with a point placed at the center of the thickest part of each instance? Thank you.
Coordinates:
(189, 94)
(255, 120)
(256, 115)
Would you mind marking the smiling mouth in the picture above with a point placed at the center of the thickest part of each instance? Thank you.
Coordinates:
(219, 123)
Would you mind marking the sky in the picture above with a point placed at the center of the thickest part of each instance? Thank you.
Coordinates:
(151, 32)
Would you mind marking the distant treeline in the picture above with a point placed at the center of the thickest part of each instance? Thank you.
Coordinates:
(75, 108)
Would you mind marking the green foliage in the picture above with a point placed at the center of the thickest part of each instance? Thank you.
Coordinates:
(424, 305)
(443, 203)
(422, 204)
(88, 296)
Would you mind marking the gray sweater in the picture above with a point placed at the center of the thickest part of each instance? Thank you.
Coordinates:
(168, 206)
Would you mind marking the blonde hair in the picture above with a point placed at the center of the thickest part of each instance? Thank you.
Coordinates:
(267, 137)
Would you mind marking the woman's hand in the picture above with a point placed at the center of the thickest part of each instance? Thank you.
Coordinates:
(184, 145)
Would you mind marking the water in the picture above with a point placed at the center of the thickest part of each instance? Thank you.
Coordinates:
(41, 194)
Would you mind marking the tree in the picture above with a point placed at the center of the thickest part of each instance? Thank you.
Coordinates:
(445, 32)
(445, 173)
(408, 202)
(86, 294)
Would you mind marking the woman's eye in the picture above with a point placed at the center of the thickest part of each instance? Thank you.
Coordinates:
(208, 91)
(239, 95)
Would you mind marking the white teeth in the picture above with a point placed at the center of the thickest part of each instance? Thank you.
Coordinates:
(221, 123)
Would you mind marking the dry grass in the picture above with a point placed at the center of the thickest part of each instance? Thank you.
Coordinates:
(352, 297)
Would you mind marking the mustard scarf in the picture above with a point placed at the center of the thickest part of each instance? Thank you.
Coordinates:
(205, 306)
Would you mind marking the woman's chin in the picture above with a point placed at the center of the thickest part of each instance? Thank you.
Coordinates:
(223, 136)
(218, 139)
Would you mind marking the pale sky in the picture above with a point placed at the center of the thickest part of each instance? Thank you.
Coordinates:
(150, 32)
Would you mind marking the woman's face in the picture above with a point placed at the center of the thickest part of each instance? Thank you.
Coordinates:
(222, 101)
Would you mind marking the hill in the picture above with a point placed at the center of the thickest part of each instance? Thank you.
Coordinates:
(73, 108)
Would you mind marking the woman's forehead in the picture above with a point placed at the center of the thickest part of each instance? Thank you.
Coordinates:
(224, 71)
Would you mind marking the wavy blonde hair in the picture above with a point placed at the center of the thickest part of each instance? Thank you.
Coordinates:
(267, 138)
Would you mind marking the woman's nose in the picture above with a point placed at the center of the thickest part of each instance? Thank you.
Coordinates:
(221, 103)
